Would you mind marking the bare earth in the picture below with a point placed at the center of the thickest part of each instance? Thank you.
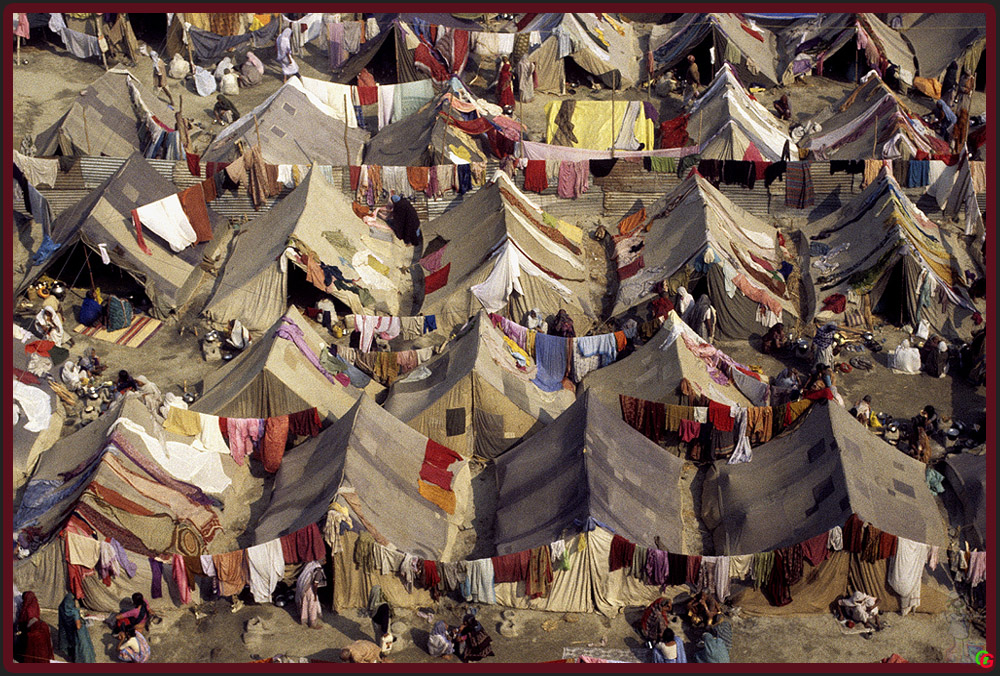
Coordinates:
(44, 89)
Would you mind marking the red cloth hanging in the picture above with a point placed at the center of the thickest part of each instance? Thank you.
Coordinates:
(436, 475)
(194, 207)
(673, 133)
(355, 177)
(720, 416)
(309, 544)
(272, 448)
(305, 423)
(535, 178)
(436, 280)
(439, 456)
(194, 164)
(138, 234)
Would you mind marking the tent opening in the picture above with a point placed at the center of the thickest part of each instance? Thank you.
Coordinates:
(892, 305)
(383, 64)
(844, 64)
(302, 293)
(981, 73)
(71, 269)
(150, 27)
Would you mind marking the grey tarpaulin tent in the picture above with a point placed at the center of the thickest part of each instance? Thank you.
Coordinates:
(967, 474)
(104, 217)
(881, 245)
(102, 120)
(292, 126)
(473, 398)
(495, 239)
(938, 38)
(272, 377)
(377, 458)
(812, 478)
(873, 123)
(654, 371)
(254, 284)
(752, 51)
(697, 228)
(587, 466)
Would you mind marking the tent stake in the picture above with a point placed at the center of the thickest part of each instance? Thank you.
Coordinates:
(86, 134)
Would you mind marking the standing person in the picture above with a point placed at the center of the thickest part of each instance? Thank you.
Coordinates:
(562, 325)
(505, 84)
(945, 117)
(35, 644)
(703, 319)
(252, 71)
(526, 80)
(692, 80)
(310, 580)
(662, 305)
(159, 75)
(284, 48)
(74, 637)
(683, 304)
(404, 220)
(949, 86)
(822, 344)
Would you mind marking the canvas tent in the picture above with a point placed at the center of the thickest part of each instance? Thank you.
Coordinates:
(654, 371)
(388, 56)
(254, 285)
(967, 475)
(812, 478)
(938, 38)
(473, 398)
(600, 43)
(32, 434)
(293, 126)
(882, 246)
(104, 217)
(272, 377)
(751, 50)
(429, 137)
(378, 459)
(103, 120)
(809, 42)
(504, 254)
(587, 465)
(599, 125)
(873, 123)
(697, 231)
(211, 35)
(724, 122)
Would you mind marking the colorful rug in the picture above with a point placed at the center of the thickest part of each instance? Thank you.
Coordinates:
(612, 654)
(143, 328)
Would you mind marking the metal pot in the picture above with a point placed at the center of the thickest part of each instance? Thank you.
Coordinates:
(189, 397)
(93, 393)
(211, 336)
(868, 336)
(58, 290)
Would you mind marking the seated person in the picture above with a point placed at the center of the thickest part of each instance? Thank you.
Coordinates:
(859, 608)
(362, 652)
(472, 643)
(669, 649)
(133, 620)
(229, 84)
(783, 108)
(774, 340)
(125, 384)
(863, 410)
(703, 610)
(224, 110)
(133, 647)
(440, 643)
(934, 357)
(91, 310)
(252, 71)
(715, 644)
(562, 325)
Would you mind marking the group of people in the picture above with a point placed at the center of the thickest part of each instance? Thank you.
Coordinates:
(33, 639)
(468, 641)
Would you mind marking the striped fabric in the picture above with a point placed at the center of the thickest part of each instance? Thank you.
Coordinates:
(799, 192)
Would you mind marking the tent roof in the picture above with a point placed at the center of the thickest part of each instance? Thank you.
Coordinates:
(372, 454)
(253, 288)
(272, 377)
(102, 119)
(872, 123)
(116, 484)
(939, 38)
(481, 350)
(654, 371)
(725, 113)
(294, 127)
(590, 32)
(813, 478)
(27, 444)
(687, 220)
(587, 464)
(877, 222)
(672, 42)
(406, 142)
(497, 221)
(966, 472)
(104, 216)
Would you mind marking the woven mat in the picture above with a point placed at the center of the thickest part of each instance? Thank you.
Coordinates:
(142, 329)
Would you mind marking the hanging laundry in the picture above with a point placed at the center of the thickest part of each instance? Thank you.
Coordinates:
(799, 192)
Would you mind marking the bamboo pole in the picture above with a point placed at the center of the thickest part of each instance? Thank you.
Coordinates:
(86, 254)
(347, 113)
(86, 134)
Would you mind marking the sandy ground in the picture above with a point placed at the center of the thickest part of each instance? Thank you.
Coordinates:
(47, 85)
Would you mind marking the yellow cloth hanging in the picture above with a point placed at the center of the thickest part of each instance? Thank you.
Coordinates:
(296, 175)
(183, 422)
(514, 347)
(259, 21)
(375, 264)
(531, 342)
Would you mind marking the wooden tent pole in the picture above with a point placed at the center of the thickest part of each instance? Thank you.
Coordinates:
(86, 254)
(86, 134)
(347, 147)
(187, 41)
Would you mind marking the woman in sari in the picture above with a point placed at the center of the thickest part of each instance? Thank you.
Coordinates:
(473, 643)
(505, 85)
(133, 647)
(35, 644)
(136, 619)
(74, 638)
(284, 46)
